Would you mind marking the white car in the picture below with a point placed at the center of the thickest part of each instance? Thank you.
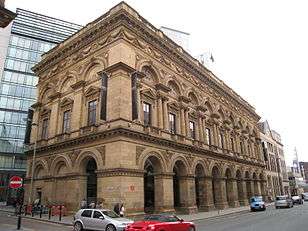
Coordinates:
(305, 196)
(283, 202)
(99, 219)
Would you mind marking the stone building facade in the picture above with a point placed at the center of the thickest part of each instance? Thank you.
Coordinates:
(276, 170)
(125, 114)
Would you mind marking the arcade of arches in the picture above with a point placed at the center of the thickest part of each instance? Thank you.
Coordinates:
(159, 185)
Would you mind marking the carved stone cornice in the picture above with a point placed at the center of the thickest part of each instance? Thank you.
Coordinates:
(132, 134)
(162, 87)
(120, 172)
(122, 15)
(78, 84)
(183, 99)
(55, 95)
(201, 108)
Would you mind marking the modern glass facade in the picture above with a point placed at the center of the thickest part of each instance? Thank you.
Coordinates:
(31, 35)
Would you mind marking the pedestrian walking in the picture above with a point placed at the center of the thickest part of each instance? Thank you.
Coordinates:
(92, 205)
(122, 210)
(83, 204)
(99, 205)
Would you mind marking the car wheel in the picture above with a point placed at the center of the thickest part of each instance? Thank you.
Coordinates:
(78, 226)
(191, 229)
(110, 228)
(277, 207)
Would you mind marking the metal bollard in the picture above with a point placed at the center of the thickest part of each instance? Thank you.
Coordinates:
(41, 211)
(60, 213)
(19, 218)
(49, 213)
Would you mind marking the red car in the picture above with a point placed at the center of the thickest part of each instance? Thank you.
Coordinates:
(161, 222)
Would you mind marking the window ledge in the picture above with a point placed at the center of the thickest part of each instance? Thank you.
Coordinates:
(89, 129)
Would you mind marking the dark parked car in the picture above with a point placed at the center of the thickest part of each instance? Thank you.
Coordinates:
(297, 200)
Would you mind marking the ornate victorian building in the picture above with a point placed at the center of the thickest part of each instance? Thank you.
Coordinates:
(125, 114)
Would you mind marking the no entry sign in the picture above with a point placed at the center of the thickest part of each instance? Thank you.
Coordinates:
(15, 182)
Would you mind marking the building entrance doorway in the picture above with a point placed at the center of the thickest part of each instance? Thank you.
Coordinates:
(91, 168)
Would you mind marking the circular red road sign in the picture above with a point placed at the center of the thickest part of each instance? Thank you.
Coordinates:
(15, 182)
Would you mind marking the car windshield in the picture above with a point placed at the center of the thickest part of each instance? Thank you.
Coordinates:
(281, 198)
(256, 199)
(162, 218)
(110, 214)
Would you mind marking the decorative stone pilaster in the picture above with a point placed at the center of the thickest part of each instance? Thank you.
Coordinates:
(165, 113)
(182, 123)
(160, 112)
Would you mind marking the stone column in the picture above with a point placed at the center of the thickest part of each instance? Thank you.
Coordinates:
(164, 193)
(187, 123)
(76, 121)
(249, 188)
(160, 112)
(155, 114)
(200, 125)
(234, 200)
(165, 111)
(242, 187)
(182, 123)
(220, 193)
(215, 135)
(188, 194)
(257, 188)
(206, 201)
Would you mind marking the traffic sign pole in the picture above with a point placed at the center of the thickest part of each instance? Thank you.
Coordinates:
(16, 182)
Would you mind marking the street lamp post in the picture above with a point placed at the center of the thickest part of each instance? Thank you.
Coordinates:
(33, 166)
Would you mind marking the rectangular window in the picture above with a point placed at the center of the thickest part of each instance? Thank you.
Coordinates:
(92, 112)
(232, 144)
(221, 138)
(208, 136)
(192, 129)
(45, 128)
(147, 114)
(104, 83)
(172, 125)
(66, 121)
(241, 146)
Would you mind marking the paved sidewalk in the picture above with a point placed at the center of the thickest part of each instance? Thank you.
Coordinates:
(67, 220)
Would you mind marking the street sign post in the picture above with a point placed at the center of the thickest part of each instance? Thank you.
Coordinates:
(15, 182)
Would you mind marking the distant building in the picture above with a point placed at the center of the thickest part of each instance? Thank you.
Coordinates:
(277, 178)
(6, 16)
(21, 45)
(296, 176)
(304, 170)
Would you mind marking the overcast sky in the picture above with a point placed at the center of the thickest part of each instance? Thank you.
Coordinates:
(260, 49)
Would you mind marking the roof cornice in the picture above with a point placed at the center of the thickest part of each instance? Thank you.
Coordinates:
(130, 19)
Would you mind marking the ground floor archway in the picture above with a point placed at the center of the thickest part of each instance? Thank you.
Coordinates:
(90, 170)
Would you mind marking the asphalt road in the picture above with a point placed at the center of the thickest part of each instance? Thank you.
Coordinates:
(293, 219)
(9, 223)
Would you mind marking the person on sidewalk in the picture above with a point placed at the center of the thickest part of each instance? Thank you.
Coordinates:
(99, 205)
(122, 210)
(92, 205)
(83, 204)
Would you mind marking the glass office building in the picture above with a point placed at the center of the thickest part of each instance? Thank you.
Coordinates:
(30, 36)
